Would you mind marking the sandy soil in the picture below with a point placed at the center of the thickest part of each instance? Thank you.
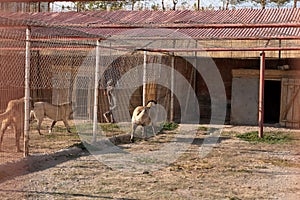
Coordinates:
(233, 169)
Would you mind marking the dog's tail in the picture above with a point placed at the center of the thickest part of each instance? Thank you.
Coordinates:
(32, 116)
(4, 115)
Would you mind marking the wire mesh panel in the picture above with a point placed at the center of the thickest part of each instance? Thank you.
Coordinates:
(12, 61)
(12, 73)
(54, 64)
(62, 72)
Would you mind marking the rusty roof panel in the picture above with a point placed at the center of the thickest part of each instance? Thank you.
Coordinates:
(243, 33)
(243, 16)
(92, 23)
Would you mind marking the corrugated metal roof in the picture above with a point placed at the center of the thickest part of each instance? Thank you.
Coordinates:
(230, 24)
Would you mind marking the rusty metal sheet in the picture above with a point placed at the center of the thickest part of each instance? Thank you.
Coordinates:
(107, 23)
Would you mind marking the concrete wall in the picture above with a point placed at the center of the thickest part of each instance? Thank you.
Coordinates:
(244, 102)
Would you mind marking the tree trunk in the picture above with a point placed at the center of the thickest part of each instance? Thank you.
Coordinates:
(133, 2)
(174, 4)
(227, 4)
(163, 5)
(263, 4)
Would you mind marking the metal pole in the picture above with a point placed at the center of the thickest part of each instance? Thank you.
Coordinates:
(172, 88)
(261, 95)
(27, 94)
(96, 93)
(144, 77)
(279, 52)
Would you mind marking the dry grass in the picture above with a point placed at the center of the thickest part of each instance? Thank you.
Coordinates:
(234, 169)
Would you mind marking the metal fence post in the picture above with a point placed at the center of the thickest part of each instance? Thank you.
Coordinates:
(261, 95)
(96, 93)
(144, 78)
(27, 93)
(172, 88)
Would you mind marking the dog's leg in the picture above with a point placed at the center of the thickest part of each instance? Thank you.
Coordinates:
(134, 126)
(39, 122)
(112, 119)
(154, 134)
(105, 117)
(144, 133)
(2, 133)
(4, 126)
(18, 133)
(32, 117)
(67, 126)
(52, 125)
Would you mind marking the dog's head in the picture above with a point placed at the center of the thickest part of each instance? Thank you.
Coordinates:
(151, 103)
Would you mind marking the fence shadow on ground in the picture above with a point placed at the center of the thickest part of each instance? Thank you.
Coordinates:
(62, 194)
(38, 162)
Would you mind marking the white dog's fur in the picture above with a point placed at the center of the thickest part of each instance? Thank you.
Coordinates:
(140, 116)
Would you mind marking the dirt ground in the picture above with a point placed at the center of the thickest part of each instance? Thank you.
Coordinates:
(39, 144)
(233, 169)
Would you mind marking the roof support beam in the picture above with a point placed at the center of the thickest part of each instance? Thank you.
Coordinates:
(179, 25)
(208, 49)
(225, 49)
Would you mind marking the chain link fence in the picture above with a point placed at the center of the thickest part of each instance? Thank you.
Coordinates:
(64, 61)
(62, 69)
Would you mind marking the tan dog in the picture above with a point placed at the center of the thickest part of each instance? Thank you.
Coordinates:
(141, 116)
(14, 117)
(61, 112)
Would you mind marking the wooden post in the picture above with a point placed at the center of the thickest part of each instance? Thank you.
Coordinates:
(96, 93)
(27, 94)
(261, 95)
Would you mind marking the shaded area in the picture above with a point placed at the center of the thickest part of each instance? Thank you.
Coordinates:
(272, 101)
(63, 194)
(36, 163)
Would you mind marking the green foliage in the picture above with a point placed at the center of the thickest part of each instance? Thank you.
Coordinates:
(79, 145)
(155, 7)
(269, 137)
(166, 5)
(203, 128)
(169, 126)
(110, 127)
(104, 5)
(63, 129)
(86, 127)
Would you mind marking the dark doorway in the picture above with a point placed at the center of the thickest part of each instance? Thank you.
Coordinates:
(272, 101)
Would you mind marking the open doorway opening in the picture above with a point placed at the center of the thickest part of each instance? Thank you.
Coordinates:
(272, 101)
